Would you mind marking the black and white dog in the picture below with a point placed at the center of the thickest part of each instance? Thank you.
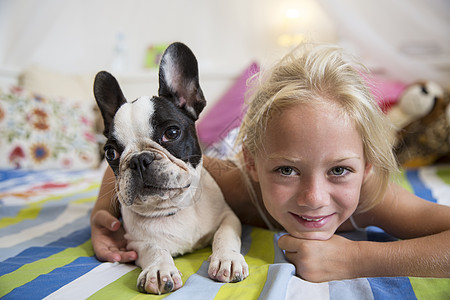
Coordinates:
(170, 204)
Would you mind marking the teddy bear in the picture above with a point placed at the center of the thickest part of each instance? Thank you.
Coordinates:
(421, 118)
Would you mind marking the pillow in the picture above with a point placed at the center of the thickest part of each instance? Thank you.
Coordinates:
(227, 113)
(51, 83)
(386, 92)
(38, 132)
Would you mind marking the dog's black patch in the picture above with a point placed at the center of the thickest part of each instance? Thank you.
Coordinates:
(167, 115)
(113, 145)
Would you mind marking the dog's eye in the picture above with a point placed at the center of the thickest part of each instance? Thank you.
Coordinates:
(111, 154)
(171, 134)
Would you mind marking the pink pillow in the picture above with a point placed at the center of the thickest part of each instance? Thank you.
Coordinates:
(386, 92)
(227, 113)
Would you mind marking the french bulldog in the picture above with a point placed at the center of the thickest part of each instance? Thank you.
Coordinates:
(170, 204)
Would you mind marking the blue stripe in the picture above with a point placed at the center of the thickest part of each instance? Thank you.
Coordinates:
(10, 211)
(387, 288)
(279, 273)
(13, 210)
(46, 238)
(246, 239)
(36, 253)
(376, 234)
(420, 189)
(278, 253)
(191, 290)
(46, 284)
(49, 211)
(278, 278)
(12, 178)
(13, 174)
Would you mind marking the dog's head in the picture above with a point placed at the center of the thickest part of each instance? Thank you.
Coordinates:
(152, 145)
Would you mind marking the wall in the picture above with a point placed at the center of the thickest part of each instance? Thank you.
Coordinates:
(78, 36)
(406, 39)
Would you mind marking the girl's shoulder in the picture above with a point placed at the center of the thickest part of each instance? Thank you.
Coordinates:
(404, 215)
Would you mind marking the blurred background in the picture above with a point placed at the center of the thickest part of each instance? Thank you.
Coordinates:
(403, 39)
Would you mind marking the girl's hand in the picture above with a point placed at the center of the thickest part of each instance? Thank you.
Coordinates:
(320, 261)
(108, 239)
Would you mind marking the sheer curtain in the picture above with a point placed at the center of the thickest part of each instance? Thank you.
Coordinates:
(81, 35)
(403, 39)
(407, 40)
(24, 24)
(70, 36)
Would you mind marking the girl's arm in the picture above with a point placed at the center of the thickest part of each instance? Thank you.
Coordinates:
(424, 252)
(424, 228)
(107, 233)
(229, 178)
(404, 215)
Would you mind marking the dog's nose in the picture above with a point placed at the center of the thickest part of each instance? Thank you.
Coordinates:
(142, 161)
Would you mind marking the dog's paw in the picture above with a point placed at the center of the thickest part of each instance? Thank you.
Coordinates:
(159, 280)
(227, 267)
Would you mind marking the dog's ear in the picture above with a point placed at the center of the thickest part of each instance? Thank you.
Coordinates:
(109, 97)
(178, 79)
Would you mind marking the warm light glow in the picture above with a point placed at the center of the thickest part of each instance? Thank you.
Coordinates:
(292, 13)
(289, 40)
(298, 21)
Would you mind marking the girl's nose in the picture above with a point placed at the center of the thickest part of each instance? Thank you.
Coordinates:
(314, 193)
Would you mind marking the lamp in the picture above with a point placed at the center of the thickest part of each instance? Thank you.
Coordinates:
(290, 28)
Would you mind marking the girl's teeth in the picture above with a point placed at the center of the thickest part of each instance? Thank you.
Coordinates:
(312, 220)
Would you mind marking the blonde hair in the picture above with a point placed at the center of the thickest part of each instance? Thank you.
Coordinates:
(316, 73)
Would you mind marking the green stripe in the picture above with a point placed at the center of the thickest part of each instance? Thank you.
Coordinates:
(402, 180)
(190, 263)
(259, 257)
(125, 286)
(31, 271)
(85, 200)
(30, 212)
(444, 174)
(34, 209)
(122, 288)
(431, 288)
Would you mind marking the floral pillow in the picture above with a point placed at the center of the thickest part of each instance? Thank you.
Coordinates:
(45, 133)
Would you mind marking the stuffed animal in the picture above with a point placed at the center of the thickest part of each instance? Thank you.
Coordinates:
(422, 120)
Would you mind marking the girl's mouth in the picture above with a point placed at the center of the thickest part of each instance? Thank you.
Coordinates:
(310, 219)
(312, 222)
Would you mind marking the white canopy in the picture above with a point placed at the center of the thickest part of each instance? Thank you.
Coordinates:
(403, 39)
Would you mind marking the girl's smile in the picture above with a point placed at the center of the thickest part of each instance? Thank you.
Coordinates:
(312, 222)
(311, 169)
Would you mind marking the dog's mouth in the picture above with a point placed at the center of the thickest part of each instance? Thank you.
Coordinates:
(151, 188)
(160, 191)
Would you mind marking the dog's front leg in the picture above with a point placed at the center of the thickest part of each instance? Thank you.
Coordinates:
(159, 274)
(226, 261)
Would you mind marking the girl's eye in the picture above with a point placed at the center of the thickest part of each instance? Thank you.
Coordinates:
(287, 171)
(171, 134)
(111, 154)
(339, 171)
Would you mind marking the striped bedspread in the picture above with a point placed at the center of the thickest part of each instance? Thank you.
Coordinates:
(46, 251)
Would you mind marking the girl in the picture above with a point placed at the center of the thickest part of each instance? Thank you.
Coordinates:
(316, 159)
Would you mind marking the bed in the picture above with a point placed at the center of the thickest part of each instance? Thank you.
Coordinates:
(45, 204)
(46, 250)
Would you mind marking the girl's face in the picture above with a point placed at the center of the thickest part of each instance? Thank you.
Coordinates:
(311, 169)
